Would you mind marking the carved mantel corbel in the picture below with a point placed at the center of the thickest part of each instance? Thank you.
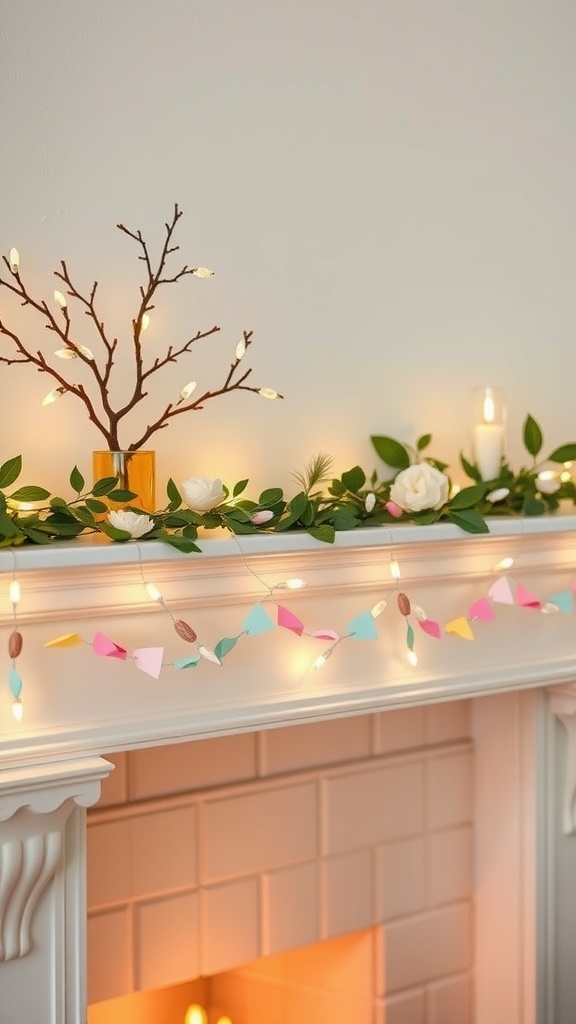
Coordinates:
(563, 704)
(42, 860)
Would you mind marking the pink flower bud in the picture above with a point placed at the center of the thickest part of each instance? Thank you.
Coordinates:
(393, 509)
(261, 517)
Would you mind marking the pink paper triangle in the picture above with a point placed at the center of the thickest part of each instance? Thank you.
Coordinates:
(481, 609)
(500, 591)
(526, 598)
(325, 634)
(288, 620)
(149, 660)
(106, 648)
(430, 627)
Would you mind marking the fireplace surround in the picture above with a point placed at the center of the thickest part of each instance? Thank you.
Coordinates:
(78, 708)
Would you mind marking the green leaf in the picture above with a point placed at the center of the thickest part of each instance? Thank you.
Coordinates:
(96, 506)
(10, 471)
(337, 488)
(391, 452)
(7, 526)
(36, 536)
(58, 502)
(77, 480)
(469, 520)
(324, 533)
(181, 543)
(532, 507)
(468, 497)
(423, 442)
(354, 479)
(85, 516)
(174, 495)
(30, 494)
(236, 526)
(270, 496)
(470, 469)
(113, 533)
(343, 519)
(566, 453)
(532, 435)
(104, 486)
(239, 487)
(121, 495)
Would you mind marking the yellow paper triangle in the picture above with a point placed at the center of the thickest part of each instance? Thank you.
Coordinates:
(460, 627)
(68, 640)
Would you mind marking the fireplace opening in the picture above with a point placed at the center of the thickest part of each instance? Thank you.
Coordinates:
(275, 848)
(331, 982)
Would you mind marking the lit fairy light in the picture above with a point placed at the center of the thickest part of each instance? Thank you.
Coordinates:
(14, 260)
(17, 709)
(241, 349)
(504, 563)
(153, 592)
(187, 391)
(15, 592)
(202, 272)
(378, 609)
(395, 569)
(195, 1014)
(292, 584)
(66, 353)
(268, 393)
(412, 658)
(145, 322)
(53, 396)
(60, 299)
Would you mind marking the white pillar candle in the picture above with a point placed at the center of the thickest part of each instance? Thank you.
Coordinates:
(488, 435)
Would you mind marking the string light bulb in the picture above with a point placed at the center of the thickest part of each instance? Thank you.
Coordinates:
(202, 272)
(145, 322)
(504, 563)
(378, 609)
(268, 393)
(153, 592)
(395, 569)
(412, 658)
(17, 709)
(60, 299)
(240, 350)
(15, 592)
(53, 396)
(187, 390)
(14, 260)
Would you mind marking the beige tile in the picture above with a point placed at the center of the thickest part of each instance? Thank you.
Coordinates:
(184, 767)
(109, 862)
(109, 955)
(261, 830)
(450, 865)
(348, 893)
(401, 729)
(450, 790)
(423, 948)
(450, 1001)
(369, 807)
(164, 851)
(401, 878)
(318, 743)
(406, 1008)
(310, 1007)
(167, 951)
(448, 721)
(291, 908)
(230, 925)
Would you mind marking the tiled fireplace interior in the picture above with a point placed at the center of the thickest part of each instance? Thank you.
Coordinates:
(317, 874)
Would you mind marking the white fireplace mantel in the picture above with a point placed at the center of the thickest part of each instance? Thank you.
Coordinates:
(76, 702)
(78, 706)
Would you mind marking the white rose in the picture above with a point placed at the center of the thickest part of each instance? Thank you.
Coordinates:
(202, 494)
(134, 523)
(419, 487)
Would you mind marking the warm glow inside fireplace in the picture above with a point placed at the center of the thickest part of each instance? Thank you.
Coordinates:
(315, 873)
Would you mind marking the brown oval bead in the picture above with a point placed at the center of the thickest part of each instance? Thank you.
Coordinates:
(185, 631)
(404, 604)
(14, 643)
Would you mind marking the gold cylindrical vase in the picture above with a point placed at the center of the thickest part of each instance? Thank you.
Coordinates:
(135, 471)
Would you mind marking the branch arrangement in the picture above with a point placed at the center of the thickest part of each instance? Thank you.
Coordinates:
(106, 416)
(419, 492)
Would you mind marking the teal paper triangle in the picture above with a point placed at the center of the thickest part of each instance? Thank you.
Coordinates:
(15, 683)
(189, 662)
(224, 646)
(564, 601)
(257, 621)
(362, 627)
(409, 637)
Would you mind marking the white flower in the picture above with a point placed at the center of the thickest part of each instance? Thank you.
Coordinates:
(498, 495)
(134, 523)
(419, 487)
(547, 482)
(202, 494)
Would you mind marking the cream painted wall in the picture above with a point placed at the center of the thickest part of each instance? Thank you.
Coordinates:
(386, 190)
